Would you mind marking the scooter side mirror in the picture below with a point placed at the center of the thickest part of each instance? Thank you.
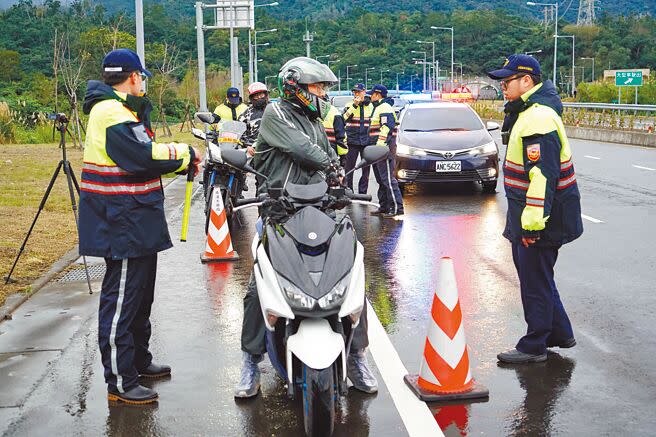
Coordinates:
(207, 117)
(237, 158)
(198, 134)
(373, 154)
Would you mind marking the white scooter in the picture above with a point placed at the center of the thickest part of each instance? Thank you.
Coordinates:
(309, 269)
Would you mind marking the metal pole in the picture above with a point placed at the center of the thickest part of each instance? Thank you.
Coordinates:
(141, 51)
(452, 60)
(397, 83)
(573, 60)
(433, 85)
(250, 59)
(255, 55)
(200, 41)
(233, 73)
(339, 81)
(555, 44)
(424, 84)
(593, 70)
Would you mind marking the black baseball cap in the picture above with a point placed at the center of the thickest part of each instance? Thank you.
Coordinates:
(233, 95)
(123, 60)
(516, 64)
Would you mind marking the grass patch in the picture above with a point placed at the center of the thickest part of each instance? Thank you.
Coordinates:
(25, 170)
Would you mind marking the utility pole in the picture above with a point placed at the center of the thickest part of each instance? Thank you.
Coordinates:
(141, 51)
(553, 5)
(308, 38)
(200, 41)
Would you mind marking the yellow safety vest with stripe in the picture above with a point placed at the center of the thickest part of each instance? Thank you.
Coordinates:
(357, 119)
(382, 130)
(121, 195)
(539, 177)
(228, 112)
(335, 131)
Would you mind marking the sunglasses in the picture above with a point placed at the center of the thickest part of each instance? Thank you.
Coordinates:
(504, 83)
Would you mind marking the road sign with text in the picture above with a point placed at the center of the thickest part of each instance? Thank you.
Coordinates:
(628, 78)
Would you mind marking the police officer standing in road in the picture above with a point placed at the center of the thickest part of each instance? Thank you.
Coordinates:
(232, 108)
(382, 132)
(122, 219)
(336, 133)
(544, 209)
(357, 116)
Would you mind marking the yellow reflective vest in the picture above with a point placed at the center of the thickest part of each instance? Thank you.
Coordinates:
(229, 112)
(382, 130)
(335, 131)
(539, 177)
(121, 212)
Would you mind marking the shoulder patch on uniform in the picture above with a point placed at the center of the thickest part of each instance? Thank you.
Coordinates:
(139, 131)
(533, 152)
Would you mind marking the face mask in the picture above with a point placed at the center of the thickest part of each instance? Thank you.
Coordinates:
(260, 103)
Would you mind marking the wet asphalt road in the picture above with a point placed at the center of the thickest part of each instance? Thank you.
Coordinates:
(606, 385)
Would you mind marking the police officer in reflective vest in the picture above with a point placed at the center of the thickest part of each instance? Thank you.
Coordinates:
(382, 132)
(336, 133)
(122, 219)
(544, 210)
(357, 116)
(232, 108)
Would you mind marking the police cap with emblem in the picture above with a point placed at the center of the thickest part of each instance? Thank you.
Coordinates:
(123, 60)
(516, 64)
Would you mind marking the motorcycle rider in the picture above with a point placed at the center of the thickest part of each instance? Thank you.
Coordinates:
(258, 94)
(292, 146)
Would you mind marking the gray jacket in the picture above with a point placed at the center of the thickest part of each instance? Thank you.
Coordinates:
(291, 148)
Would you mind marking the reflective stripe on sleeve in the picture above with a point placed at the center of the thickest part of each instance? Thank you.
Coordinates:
(566, 182)
(517, 183)
(120, 188)
(105, 170)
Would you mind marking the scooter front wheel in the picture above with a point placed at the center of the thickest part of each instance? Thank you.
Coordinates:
(318, 401)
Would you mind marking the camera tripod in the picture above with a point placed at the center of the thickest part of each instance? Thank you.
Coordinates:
(61, 124)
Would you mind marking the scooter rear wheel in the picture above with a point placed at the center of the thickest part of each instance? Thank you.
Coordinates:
(318, 401)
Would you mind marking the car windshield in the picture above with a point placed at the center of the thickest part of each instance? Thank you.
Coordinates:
(436, 119)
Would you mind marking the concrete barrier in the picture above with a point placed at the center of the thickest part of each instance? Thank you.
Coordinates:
(644, 139)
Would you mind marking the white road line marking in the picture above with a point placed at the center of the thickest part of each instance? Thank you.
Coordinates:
(591, 157)
(644, 168)
(599, 344)
(415, 414)
(592, 219)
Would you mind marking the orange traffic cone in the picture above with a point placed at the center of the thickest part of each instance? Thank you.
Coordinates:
(444, 373)
(219, 243)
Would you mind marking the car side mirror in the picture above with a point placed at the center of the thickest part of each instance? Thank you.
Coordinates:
(492, 125)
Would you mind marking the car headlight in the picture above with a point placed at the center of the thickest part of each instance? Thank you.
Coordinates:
(335, 297)
(485, 149)
(295, 297)
(402, 149)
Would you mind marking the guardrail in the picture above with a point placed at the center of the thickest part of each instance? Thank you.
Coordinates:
(611, 106)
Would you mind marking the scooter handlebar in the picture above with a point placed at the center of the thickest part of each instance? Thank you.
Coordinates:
(364, 197)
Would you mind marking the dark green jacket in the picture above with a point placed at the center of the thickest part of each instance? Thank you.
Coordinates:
(290, 147)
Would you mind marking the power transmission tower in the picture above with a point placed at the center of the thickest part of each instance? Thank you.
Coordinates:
(586, 13)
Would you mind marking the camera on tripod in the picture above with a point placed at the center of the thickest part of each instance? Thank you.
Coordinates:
(58, 118)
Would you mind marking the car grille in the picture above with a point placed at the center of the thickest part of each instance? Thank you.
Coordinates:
(445, 153)
(465, 175)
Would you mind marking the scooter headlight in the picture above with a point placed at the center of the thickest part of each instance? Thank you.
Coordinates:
(295, 297)
(335, 297)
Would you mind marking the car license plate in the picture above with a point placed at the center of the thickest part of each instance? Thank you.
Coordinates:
(448, 166)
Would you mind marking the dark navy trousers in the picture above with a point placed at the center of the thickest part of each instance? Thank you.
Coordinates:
(351, 161)
(548, 324)
(124, 319)
(389, 193)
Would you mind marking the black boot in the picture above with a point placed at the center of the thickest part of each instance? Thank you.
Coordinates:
(155, 371)
(138, 395)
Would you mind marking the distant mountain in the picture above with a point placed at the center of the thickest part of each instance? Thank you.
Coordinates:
(334, 8)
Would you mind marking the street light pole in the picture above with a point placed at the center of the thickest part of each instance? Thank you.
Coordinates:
(424, 53)
(573, 59)
(553, 5)
(452, 45)
(366, 78)
(534, 52)
(138, 12)
(593, 67)
(381, 75)
(347, 75)
(255, 45)
(434, 79)
(251, 67)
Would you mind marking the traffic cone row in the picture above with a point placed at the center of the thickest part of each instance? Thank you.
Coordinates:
(444, 373)
(219, 244)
